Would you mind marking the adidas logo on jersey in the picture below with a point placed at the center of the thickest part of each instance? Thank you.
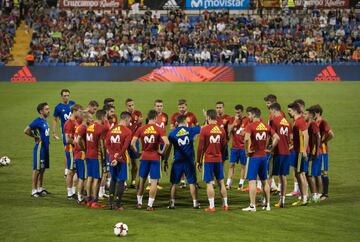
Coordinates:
(171, 4)
(90, 128)
(182, 132)
(116, 130)
(150, 130)
(284, 122)
(215, 130)
(261, 127)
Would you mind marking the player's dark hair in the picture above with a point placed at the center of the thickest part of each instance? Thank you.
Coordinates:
(318, 109)
(41, 106)
(152, 114)
(270, 98)
(300, 102)
(108, 100)
(181, 119)
(125, 115)
(93, 103)
(158, 101)
(239, 107)
(311, 110)
(108, 107)
(76, 107)
(128, 100)
(211, 113)
(256, 112)
(220, 102)
(64, 90)
(100, 114)
(295, 106)
(248, 109)
(275, 106)
(182, 101)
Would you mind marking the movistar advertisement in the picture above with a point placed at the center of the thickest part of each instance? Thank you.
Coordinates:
(217, 4)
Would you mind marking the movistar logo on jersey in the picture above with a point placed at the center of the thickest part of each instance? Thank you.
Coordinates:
(182, 132)
(150, 130)
(215, 130)
(117, 130)
(284, 122)
(261, 126)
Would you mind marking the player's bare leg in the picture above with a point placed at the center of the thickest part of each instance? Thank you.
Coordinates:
(34, 183)
(266, 191)
(283, 182)
(211, 197)
(319, 185)
(242, 178)
(194, 195)
(69, 184)
(102, 185)
(303, 188)
(40, 187)
(252, 195)
(152, 193)
(172, 196)
(230, 176)
(134, 170)
(95, 188)
(65, 165)
(140, 192)
(313, 190)
(80, 188)
(88, 189)
(183, 182)
(224, 195)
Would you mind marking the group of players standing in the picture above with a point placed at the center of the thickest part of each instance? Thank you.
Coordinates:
(99, 148)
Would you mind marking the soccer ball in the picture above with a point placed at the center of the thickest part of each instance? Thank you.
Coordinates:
(120, 229)
(5, 161)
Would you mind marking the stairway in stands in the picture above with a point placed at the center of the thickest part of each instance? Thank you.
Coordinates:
(21, 46)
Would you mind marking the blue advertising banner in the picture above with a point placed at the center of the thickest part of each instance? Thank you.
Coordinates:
(217, 4)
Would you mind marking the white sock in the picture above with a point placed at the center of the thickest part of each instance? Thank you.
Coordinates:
(211, 202)
(228, 182)
(40, 189)
(172, 202)
(305, 198)
(108, 182)
(151, 201)
(314, 196)
(225, 202)
(66, 171)
(252, 205)
(296, 187)
(195, 203)
(268, 205)
(139, 199)
(241, 182)
(279, 187)
(80, 197)
(101, 194)
(133, 183)
(73, 190)
(69, 191)
(282, 199)
(273, 185)
(259, 184)
(183, 181)
(33, 191)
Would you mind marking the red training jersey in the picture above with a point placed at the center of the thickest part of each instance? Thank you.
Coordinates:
(212, 142)
(223, 121)
(113, 122)
(69, 129)
(324, 130)
(299, 126)
(313, 131)
(94, 135)
(190, 119)
(135, 121)
(259, 133)
(80, 135)
(150, 137)
(238, 132)
(162, 120)
(117, 141)
(282, 128)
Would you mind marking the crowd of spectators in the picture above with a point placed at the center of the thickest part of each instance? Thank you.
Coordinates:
(8, 24)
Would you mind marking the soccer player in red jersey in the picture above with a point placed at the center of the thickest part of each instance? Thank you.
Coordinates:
(150, 136)
(191, 121)
(79, 152)
(237, 154)
(117, 142)
(212, 143)
(281, 157)
(314, 171)
(257, 136)
(69, 130)
(94, 155)
(92, 107)
(223, 120)
(190, 117)
(134, 125)
(301, 141)
(326, 135)
(161, 118)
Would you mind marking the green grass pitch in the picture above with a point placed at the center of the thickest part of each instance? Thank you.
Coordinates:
(53, 218)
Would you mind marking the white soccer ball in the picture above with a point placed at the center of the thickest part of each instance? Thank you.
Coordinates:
(120, 229)
(4, 161)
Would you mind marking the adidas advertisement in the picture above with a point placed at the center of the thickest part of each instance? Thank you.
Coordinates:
(23, 75)
(165, 4)
(217, 4)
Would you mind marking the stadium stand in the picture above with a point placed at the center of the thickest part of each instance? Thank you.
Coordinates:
(8, 23)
